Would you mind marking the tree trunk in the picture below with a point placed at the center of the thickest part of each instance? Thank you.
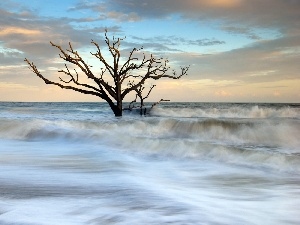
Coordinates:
(117, 109)
(118, 112)
(142, 104)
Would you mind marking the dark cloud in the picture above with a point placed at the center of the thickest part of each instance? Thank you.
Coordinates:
(275, 14)
(238, 17)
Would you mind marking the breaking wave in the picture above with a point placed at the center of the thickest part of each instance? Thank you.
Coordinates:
(240, 141)
(267, 132)
(229, 112)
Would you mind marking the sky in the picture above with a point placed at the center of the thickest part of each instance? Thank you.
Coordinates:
(238, 50)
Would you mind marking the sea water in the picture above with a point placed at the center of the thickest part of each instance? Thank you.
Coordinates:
(184, 163)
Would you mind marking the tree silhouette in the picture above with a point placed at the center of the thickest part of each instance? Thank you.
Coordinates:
(109, 83)
(139, 95)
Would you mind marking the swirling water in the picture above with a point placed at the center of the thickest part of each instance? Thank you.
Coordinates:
(185, 163)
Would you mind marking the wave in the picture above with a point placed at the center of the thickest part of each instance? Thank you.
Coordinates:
(229, 112)
(283, 133)
(260, 133)
(240, 141)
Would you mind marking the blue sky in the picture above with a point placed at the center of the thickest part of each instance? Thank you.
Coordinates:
(239, 51)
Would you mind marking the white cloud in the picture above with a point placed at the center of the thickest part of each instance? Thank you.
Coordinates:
(19, 31)
(16, 86)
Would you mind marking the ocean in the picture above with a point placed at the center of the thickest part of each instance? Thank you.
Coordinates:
(184, 163)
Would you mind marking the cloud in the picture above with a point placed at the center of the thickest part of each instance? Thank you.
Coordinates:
(277, 93)
(206, 42)
(163, 43)
(104, 12)
(29, 32)
(8, 31)
(238, 17)
(159, 9)
(14, 86)
(9, 56)
(23, 34)
(131, 17)
(222, 3)
(261, 62)
(97, 30)
(268, 14)
(242, 31)
(94, 6)
(27, 35)
(222, 93)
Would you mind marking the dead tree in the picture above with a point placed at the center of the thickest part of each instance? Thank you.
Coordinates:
(108, 84)
(139, 95)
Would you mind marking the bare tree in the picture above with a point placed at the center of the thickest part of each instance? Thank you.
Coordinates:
(139, 95)
(109, 82)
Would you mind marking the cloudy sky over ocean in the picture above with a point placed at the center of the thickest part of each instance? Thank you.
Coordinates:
(238, 50)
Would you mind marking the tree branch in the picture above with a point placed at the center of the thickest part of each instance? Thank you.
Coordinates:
(36, 71)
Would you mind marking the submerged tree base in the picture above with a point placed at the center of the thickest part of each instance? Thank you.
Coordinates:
(142, 109)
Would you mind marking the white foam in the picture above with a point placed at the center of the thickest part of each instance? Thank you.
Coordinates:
(230, 112)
